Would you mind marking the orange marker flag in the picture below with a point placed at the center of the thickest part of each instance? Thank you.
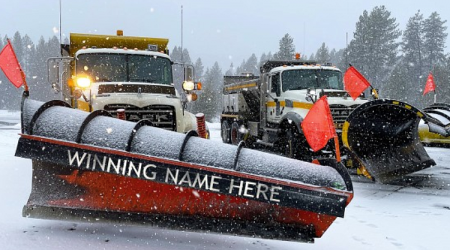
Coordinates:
(429, 86)
(11, 67)
(354, 82)
(318, 125)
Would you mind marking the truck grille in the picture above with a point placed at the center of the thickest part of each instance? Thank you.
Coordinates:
(162, 116)
(135, 88)
(340, 114)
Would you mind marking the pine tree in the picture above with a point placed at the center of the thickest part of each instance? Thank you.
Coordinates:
(323, 54)
(441, 75)
(357, 51)
(230, 71)
(39, 70)
(241, 68)
(435, 37)
(262, 59)
(29, 50)
(198, 66)
(398, 84)
(186, 57)
(408, 78)
(412, 44)
(211, 96)
(17, 43)
(251, 65)
(336, 57)
(286, 49)
(175, 55)
(374, 47)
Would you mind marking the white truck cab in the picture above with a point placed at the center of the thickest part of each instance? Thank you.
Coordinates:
(123, 74)
(267, 110)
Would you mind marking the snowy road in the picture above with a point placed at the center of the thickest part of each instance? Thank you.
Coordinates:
(413, 214)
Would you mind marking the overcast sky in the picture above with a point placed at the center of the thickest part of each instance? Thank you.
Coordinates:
(223, 31)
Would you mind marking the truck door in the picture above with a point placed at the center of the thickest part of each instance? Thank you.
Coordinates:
(273, 101)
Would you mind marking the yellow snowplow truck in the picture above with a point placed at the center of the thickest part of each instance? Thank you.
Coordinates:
(380, 136)
(127, 76)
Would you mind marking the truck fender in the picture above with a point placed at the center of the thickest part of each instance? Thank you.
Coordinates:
(292, 118)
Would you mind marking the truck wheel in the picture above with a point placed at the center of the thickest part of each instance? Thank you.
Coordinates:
(235, 135)
(225, 131)
(291, 144)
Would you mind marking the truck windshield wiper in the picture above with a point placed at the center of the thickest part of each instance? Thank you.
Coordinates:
(298, 88)
(142, 80)
(103, 80)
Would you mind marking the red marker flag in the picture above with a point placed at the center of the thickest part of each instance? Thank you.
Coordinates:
(318, 125)
(429, 86)
(10, 66)
(354, 82)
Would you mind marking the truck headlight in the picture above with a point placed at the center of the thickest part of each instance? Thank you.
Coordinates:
(83, 82)
(188, 85)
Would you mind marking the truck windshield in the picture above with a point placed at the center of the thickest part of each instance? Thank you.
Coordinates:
(311, 78)
(124, 68)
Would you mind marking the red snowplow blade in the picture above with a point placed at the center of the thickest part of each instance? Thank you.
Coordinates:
(92, 167)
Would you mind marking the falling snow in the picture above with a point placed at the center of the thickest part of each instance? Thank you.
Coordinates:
(393, 217)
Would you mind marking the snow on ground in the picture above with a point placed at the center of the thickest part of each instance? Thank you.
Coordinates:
(414, 214)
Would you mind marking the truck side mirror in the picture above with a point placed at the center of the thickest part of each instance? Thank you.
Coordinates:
(189, 73)
(57, 69)
(278, 92)
(53, 73)
(189, 85)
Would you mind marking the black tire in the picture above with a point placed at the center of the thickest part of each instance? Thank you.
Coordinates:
(288, 142)
(225, 131)
(235, 135)
(294, 145)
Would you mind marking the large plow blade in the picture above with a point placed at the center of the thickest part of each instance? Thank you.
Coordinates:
(383, 135)
(93, 167)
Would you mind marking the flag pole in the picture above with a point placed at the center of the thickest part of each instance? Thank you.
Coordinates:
(331, 127)
(336, 148)
(434, 90)
(25, 85)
